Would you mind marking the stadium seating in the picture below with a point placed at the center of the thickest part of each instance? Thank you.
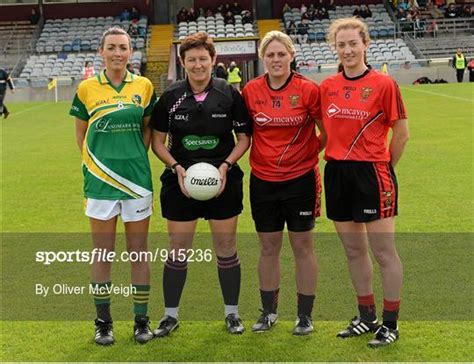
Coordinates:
(380, 50)
(66, 65)
(380, 24)
(383, 48)
(444, 46)
(215, 27)
(83, 35)
(66, 44)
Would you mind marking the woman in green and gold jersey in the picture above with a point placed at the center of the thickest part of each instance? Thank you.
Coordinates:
(112, 112)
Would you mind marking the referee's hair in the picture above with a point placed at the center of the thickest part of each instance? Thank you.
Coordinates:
(197, 40)
(114, 31)
(348, 23)
(278, 36)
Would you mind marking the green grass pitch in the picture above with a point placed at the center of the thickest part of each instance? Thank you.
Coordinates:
(42, 209)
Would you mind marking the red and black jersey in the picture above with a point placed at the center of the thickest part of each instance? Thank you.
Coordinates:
(358, 113)
(284, 143)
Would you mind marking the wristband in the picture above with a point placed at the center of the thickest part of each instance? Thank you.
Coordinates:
(173, 167)
(229, 165)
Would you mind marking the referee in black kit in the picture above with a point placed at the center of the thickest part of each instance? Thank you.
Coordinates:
(4, 80)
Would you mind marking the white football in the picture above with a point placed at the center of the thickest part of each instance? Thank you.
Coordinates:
(202, 181)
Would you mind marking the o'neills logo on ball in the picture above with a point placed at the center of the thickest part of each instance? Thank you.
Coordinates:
(209, 181)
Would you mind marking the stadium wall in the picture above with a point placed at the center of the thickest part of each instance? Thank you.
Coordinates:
(66, 93)
(68, 10)
(16, 12)
(278, 4)
(82, 10)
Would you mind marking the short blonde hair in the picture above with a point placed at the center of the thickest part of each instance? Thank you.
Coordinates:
(278, 36)
(348, 23)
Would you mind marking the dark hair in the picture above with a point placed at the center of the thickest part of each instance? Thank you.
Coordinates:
(114, 31)
(197, 40)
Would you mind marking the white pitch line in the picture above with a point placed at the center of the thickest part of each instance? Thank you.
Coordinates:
(438, 94)
(12, 115)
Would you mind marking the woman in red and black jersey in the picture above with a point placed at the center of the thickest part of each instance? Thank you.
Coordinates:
(359, 107)
(284, 185)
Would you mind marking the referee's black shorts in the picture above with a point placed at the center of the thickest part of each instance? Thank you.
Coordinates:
(360, 191)
(177, 207)
(296, 202)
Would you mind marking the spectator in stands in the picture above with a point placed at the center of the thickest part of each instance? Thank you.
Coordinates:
(402, 4)
(332, 5)
(134, 14)
(220, 9)
(433, 9)
(433, 28)
(323, 13)
(132, 31)
(306, 17)
(88, 70)
(182, 15)
(220, 71)
(236, 8)
(401, 15)
(466, 11)
(365, 12)
(192, 16)
(286, 9)
(459, 64)
(451, 12)
(302, 33)
(132, 69)
(303, 9)
(470, 67)
(247, 17)
(229, 18)
(234, 76)
(125, 15)
(292, 31)
(319, 4)
(418, 25)
(34, 17)
(4, 81)
(356, 12)
(209, 12)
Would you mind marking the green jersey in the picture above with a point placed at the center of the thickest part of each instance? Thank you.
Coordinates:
(114, 156)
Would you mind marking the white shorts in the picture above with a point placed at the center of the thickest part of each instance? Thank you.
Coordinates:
(129, 210)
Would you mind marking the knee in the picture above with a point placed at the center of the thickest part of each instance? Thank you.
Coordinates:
(270, 250)
(226, 247)
(387, 258)
(303, 250)
(354, 252)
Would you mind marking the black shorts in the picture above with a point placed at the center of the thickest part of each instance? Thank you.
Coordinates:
(177, 207)
(296, 202)
(360, 191)
(2, 96)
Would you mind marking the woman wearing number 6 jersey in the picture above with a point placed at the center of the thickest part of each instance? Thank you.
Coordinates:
(112, 111)
(359, 107)
(200, 116)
